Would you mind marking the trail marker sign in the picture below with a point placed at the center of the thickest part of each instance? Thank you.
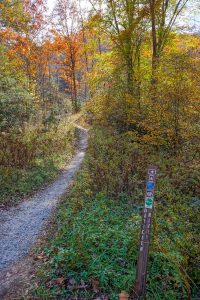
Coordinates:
(141, 273)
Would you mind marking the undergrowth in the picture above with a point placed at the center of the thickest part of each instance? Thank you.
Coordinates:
(94, 252)
(34, 159)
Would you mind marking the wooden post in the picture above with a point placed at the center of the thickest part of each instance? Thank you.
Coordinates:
(141, 273)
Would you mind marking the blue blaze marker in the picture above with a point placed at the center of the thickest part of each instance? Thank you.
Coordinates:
(150, 185)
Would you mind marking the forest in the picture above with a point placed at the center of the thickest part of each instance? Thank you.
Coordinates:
(127, 71)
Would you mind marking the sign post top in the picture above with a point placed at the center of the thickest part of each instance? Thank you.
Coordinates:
(152, 170)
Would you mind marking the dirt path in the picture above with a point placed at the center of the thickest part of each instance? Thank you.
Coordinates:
(20, 226)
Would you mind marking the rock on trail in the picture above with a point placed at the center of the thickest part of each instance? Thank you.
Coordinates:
(20, 226)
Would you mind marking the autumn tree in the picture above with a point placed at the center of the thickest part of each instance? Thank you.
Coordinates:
(125, 24)
(67, 27)
(163, 14)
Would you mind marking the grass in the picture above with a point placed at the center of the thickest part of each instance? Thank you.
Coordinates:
(95, 245)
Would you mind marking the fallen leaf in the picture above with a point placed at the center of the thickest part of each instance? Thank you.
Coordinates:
(60, 280)
(57, 281)
(40, 257)
(123, 295)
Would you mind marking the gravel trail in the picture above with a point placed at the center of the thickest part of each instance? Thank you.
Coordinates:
(21, 225)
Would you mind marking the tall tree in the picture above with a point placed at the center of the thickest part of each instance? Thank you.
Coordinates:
(67, 26)
(163, 14)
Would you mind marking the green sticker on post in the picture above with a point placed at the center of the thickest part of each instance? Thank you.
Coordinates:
(148, 202)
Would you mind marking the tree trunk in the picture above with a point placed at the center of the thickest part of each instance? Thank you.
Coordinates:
(130, 75)
(154, 51)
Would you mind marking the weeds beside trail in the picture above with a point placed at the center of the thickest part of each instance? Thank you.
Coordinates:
(35, 158)
(93, 254)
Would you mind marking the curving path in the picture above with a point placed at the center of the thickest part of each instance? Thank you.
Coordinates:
(21, 225)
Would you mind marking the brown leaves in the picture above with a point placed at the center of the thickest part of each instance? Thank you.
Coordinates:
(60, 281)
(41, 256)
(96, 289)
(123, 295)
